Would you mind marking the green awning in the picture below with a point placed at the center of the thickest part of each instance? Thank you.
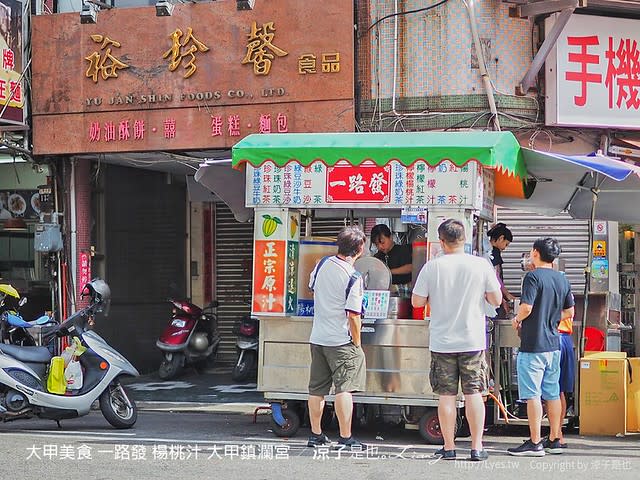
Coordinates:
(499, 150)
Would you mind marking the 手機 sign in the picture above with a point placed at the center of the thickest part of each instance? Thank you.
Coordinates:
(593, 73)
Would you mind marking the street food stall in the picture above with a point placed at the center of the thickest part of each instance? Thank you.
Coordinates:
(415, 179)
(411, 180)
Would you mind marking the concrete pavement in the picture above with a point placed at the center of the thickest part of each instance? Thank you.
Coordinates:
(210, 391)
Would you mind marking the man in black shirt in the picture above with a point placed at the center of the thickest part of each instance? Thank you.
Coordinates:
(397, 257)
(546, 298)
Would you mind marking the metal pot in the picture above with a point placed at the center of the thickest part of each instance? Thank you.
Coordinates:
(399, 307)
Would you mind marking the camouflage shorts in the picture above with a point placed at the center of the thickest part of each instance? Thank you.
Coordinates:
(449, 369)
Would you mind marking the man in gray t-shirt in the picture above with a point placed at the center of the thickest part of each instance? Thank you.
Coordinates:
(336, 353)
(456, 286)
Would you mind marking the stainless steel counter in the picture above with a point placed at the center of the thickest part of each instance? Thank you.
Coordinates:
(396, 350)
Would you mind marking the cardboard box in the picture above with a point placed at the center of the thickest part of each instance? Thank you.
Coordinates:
(603, 395)
(633, 396)
(605, 354)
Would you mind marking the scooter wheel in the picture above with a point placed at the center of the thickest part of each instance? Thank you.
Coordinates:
(170, 368)
(117, 406)
(291, 426)
(242, 371)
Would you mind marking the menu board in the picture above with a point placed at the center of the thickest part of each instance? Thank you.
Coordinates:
(393, 185)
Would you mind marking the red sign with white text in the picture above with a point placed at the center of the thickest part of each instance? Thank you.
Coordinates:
(269, 276)
(361, 184)
(84, 269)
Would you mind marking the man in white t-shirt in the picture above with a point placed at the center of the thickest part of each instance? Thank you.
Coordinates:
(456, 286)
(336, 353)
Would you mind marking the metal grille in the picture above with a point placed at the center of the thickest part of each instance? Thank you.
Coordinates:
(327, 227)
(233, 271)
(572, 234)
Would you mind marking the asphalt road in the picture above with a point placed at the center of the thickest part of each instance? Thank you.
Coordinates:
(199, 446)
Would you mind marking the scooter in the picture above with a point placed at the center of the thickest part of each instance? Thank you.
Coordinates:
(247, 347)
(14, 330)
(23, 371)
(191, 338)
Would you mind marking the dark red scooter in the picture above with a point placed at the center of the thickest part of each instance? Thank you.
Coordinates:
(191, 338)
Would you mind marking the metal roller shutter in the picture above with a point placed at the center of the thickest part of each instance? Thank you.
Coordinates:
(144, 224)
(233, 268)
(327, 227)
(526, 227)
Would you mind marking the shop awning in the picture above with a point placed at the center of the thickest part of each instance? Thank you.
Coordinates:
(228, 185)
(567, 182)
(497, 150)
(525, 179)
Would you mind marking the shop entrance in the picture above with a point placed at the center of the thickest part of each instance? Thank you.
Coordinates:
(140, 238)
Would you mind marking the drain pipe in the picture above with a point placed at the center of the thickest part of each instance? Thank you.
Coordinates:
(470, 6)
(395, 57)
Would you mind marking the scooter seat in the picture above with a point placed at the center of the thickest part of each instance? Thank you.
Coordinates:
(27, 354)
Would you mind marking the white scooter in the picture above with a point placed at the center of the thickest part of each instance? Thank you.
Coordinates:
(23, 373)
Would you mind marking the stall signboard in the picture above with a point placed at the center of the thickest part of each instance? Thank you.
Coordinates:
(293, 254)
(275, 252)
(368, 185)
(375, 304)
(485, 195)
(592, 73)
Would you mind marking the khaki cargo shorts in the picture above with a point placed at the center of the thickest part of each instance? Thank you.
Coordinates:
(343, 366)
(449, 369)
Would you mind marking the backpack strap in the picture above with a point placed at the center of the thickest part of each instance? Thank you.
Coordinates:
(320, 263)
(352, 280)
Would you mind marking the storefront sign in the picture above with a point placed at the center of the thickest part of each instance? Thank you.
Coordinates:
(11, 35)
(201, 78)
(275, 260)
(84, 270)
(365, 183)
(368, 185)
(592, 76)
(19, 203)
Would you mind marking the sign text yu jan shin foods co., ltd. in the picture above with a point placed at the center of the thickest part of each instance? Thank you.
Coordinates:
(203, 77)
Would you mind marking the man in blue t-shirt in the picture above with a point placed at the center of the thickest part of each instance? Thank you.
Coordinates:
(546, 298)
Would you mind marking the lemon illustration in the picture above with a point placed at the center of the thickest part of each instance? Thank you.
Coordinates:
(293, 227)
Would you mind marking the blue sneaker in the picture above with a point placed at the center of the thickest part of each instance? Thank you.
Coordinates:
(527, 449)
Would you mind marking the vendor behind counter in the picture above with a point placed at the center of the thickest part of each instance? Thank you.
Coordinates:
(397, 257)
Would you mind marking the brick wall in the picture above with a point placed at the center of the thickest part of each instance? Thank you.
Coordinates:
(83, 219)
